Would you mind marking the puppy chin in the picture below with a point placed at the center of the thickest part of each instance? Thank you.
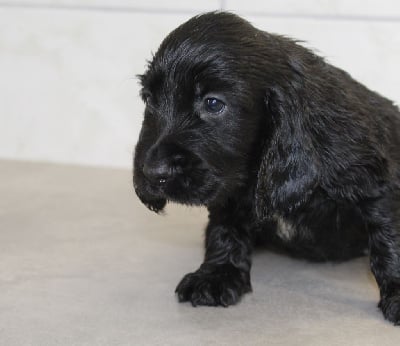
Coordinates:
(151, 199)
(156, 205)
(156, 199)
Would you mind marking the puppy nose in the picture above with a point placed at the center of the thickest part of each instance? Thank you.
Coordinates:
(157, 173)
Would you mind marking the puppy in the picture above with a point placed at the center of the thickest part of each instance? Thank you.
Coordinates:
(277, 144)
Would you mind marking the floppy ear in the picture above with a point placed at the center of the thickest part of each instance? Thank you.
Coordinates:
(287, 175)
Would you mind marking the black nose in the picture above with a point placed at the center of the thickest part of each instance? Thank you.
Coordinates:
(158, 173)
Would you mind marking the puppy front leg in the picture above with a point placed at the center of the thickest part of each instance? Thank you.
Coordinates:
(384, 243)
(225, 274)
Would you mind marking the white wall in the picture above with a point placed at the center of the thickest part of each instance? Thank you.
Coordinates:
(68, 91)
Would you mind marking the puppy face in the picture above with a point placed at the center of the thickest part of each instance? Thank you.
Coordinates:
(204, 111)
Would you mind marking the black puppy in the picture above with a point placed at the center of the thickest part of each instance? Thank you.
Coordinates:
(278, 144)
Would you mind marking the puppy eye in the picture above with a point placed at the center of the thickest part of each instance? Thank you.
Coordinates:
(214, 106)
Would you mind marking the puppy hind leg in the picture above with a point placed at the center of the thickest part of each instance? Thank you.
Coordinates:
(384, 244)
(225, 274)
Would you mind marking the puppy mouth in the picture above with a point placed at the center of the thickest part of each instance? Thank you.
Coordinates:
(166, 188)
(156, 190)
(194, 188)
(190, 181)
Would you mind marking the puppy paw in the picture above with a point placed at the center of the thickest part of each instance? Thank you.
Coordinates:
(214, 285)
(390, 307)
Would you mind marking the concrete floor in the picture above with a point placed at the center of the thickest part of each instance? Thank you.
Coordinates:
(82, 262)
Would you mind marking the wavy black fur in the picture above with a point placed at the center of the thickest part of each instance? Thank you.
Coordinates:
(302, 155)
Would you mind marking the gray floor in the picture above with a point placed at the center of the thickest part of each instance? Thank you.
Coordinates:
(82, 262)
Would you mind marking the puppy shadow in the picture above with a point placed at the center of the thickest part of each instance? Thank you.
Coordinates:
(339, 286)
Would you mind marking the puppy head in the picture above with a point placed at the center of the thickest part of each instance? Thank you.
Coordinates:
(204, 94)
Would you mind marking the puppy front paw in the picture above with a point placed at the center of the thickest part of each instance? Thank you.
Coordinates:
(390, 306)
(213, 285)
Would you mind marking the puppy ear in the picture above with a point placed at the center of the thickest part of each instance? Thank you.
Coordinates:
(287, 175)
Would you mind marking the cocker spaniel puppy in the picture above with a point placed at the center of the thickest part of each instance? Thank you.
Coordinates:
(277, 144)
